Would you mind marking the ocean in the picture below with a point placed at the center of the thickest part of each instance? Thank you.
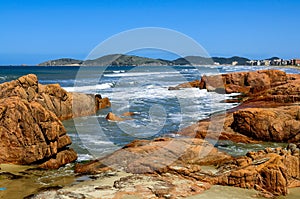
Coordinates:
(143, 91)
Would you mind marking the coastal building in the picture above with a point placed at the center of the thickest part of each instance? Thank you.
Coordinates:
(295, 62)
(234, 63)
(266, 62)
(277, 62)
(274, 62)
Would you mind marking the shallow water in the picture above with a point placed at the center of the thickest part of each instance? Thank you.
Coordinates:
(21, 181)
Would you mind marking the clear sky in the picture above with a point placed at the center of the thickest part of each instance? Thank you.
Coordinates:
(33, 31)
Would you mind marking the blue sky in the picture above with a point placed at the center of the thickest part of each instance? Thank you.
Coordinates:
(33, 31)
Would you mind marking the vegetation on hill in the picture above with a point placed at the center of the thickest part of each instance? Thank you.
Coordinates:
(130, 60)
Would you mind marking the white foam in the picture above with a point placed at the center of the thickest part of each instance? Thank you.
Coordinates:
(3, 77)
(89, 88)
(134, 74)
(119, 71)
(84, 157)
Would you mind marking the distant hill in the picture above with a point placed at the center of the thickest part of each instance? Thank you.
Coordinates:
(61, 62)
(125, 60)
(193, 60)
(273, 58)
(225, 61)
(130, 60)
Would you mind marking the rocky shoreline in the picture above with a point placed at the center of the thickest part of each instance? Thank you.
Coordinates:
(165, 167)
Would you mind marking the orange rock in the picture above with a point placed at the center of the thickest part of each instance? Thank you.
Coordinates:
(30, 133)
(128, 114)
(244, 82)
(159, 156)
(30, 126)
(266, 171)
(280, 124)
(54, 98)
(113, 117)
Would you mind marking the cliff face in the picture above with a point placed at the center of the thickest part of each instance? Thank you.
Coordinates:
(30, 126)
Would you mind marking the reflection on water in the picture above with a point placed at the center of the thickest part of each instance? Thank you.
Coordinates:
(240, 149)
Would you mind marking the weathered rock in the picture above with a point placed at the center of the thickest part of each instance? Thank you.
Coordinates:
(280, 124)
(268, 91)
(131, 186)
(128, 114)
(102, 103)
(244, 82)
(61, 158)
(30, 127)
(285, 93)
(271, 170)
(112, 117)
(54, 98)
(217, 127)
(192, 84)
(30, 133)
(158, 156)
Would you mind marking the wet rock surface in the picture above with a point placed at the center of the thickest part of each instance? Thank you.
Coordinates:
(157, 156)
(271, 172)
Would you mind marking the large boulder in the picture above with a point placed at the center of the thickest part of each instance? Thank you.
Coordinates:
(244, 82)
(54, 98)
(31, 134)
(217, 127)
(271, 171)
(280, 124)
(30, 128)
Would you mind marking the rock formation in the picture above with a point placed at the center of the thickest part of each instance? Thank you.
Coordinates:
(244, 82)
(267, 112)
(271, 171)
(113, 117)
(158, 156)
(64, 104)
(32, 134)
(281, 124)
(164, 165)
(30, 128)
